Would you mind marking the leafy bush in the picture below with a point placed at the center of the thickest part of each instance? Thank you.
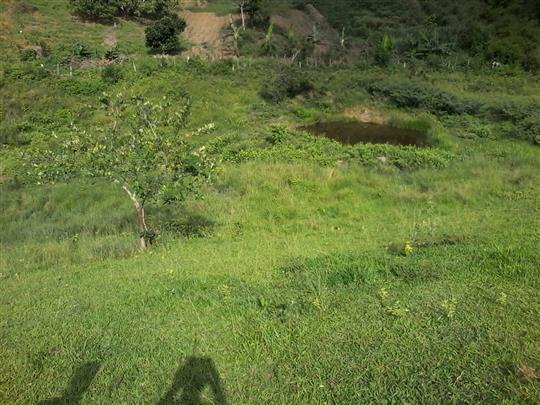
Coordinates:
(522, 118)
(528, 129)
(107, 9)
(11, 132)
(94, 9)
(513, 111)
(467, 126)
(162, 36)
(412, 94)
(287, 83)
(112, 74)
(531, 129)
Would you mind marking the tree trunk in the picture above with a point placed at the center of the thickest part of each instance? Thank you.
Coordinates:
(143, 229)
(243, 17)
(141, 220)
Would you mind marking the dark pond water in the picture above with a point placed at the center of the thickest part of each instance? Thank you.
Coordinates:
(351, 133)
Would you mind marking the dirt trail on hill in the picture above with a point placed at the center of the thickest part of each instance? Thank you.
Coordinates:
(110, 40)
(304, 22)
(205, 32)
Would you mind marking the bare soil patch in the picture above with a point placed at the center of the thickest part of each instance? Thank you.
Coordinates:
(110, 40)
(206, 32)
(366, 115)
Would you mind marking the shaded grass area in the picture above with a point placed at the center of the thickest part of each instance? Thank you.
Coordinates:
(299, 295)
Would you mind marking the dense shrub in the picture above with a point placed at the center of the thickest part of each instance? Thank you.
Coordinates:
(107, 9)
(162, 36)
(383, 51)
(467, 126)
(513, 111)
(522, 124)
(287, 83)
(412, 94)
(531, 128)
(93, 9)
(507, 31)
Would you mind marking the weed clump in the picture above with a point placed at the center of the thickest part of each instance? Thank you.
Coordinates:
(287, 83)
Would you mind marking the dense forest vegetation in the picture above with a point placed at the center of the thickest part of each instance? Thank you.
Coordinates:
(492, 30)
(176, 228)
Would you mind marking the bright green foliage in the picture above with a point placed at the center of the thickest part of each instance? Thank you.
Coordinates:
(269, 46)
(291, 276)
(144, 153)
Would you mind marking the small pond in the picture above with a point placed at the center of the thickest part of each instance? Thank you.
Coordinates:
(351, 133)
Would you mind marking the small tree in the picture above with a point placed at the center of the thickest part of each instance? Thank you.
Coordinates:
(162, 36)
(383, 52)
(235, 31)
(253, 9)
(144, 153)
(269, 47)
(108, 9)
(241, 6)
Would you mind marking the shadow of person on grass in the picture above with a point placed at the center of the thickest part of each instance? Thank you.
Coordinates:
(191, 379)
(79, 383)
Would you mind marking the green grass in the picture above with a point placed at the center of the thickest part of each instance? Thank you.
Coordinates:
(285, 295)
(220, 7)
(289, 277)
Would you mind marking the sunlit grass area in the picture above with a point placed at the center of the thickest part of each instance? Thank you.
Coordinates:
(306, 271)
(298, 262)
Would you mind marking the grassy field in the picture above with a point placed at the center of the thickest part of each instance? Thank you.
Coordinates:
(310, 272)
(296, 293)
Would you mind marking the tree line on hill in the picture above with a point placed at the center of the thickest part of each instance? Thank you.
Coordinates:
(499, 32)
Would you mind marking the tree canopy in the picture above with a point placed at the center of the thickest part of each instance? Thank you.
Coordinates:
(146, 152)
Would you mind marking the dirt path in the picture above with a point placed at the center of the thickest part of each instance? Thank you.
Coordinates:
(110, 39)
(205, 32)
